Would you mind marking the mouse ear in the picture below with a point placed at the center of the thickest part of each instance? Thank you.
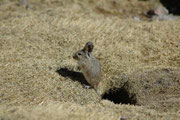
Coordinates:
(88, 47)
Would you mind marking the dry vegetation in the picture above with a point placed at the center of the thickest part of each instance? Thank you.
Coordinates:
(40, 80)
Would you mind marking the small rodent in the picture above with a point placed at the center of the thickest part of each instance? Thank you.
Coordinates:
(89, 65)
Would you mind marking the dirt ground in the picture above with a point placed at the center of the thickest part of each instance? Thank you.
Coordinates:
(39, 79)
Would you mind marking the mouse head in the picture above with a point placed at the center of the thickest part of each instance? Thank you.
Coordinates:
(85, 52)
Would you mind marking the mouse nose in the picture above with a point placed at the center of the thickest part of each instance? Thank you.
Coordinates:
(75, 57)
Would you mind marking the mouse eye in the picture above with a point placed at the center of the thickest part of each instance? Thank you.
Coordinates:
(79, 54)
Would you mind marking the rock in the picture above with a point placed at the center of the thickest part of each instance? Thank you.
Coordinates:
(159, 13)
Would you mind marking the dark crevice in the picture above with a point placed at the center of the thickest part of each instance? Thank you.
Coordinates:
(120, 96)
(172, 5)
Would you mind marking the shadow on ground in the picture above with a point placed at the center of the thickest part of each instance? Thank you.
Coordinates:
(75, 76)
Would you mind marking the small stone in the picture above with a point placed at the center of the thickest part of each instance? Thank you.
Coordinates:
(178, 45)
(124, 118)
(136, 18)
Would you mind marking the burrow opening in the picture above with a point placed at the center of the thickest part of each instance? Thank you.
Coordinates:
(120, 96)
(172, 5)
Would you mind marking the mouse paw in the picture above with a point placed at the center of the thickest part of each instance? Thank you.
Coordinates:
(87, 87)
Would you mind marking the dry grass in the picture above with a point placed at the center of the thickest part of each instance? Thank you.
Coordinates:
(37, 42)
(71, 111)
